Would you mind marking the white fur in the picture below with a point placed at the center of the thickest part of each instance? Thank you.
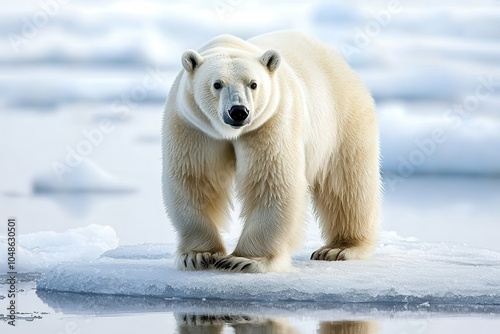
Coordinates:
(312, 130)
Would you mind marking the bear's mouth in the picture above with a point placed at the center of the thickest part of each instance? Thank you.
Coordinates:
(235, 124)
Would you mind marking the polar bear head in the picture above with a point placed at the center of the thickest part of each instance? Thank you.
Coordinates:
(232, 90)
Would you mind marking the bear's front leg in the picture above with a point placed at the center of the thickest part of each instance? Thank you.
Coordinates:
(198, 174)
(272, 186)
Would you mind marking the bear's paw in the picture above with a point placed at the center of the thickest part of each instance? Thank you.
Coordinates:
(340, 253)
(198, 261)
(238, 264)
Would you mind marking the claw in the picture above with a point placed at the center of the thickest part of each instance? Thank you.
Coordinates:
(341, 256)
(197, 260)
(219, 263)
(245, 266)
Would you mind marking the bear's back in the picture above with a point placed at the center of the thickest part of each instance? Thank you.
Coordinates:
(227, 43)
(307, 56)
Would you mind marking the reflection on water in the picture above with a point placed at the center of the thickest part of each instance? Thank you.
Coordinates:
(348, 327)
(215, 324)
(191, 316)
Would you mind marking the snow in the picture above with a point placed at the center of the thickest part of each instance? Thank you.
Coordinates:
(402, 270)
(41, 251)
(140, 252)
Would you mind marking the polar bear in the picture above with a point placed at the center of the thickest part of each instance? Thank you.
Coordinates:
(278, 118)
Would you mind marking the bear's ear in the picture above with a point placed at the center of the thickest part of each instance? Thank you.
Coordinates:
(271, 59)
(191, 60)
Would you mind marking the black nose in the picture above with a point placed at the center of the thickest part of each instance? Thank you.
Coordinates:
(238, 113)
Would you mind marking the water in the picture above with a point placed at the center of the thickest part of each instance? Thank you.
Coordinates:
(58, 312)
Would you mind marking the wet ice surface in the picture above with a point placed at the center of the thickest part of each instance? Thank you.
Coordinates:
(55, 312)
(401, 271)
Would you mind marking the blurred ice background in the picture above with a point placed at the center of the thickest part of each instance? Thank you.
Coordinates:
(82, 86)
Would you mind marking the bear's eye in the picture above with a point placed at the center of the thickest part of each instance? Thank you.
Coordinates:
(253, 85)
(217, 85)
